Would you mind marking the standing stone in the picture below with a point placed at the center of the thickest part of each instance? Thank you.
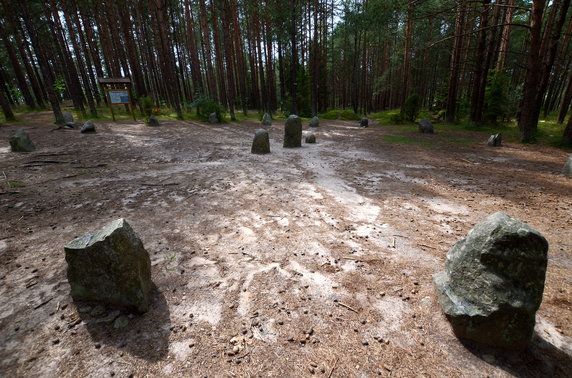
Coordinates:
(495, 140)
(364, 122)
(68, 119)
(310, 138)
(261, 142)
(20, 141)
(567, 170)
(315, 122)
(153, 121)
(425, 126)
(111, 267)
(266, 120)
(88, 127)
(493, 282)
(293, 132)
(213, 118)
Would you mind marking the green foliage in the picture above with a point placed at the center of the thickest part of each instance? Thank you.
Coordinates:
(146, 105)
(60, 87)
(410, 108)
(303, 93)
(496, 101)
(343, 114)
(206, 105)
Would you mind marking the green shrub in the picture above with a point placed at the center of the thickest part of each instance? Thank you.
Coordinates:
(146, 105)
(410, 108)
(206, 105)
(344, 115)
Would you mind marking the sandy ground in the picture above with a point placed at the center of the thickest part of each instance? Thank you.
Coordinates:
(308, 261)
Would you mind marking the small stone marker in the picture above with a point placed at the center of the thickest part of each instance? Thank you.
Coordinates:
(364, 122)
(20, 142)
(425, 126)
(293, 132)
(88, 127)
(110, 267)
(493, 282)
(315, 122)
(153, 121)
(310, 138)
(495, 140)
(567, 170)
(213, 118)
(266, 120)
(68, 119)
(261, 142)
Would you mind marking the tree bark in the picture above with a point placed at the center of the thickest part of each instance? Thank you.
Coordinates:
(451, 113)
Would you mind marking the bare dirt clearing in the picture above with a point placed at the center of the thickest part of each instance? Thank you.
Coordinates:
(316, 260)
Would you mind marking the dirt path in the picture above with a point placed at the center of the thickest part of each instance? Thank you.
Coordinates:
(315, 260)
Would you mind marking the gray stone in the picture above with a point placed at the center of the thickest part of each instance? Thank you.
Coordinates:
(261, 142)
(121, 322)
(153, 121)
(68, 119)
(315, 122)
(425, 126)
(310, 138)
(293, 132)
(266, 120)
(364, 122)
(495, 140)
(88, 127)
(493, 282)
(213, 118)
(20, 142)
(110, 267)
(567, 169)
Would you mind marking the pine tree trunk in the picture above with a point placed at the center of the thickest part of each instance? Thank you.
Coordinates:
(4, 103)
(478, 82)
(294, 62)
(451, 114)
(567, 98)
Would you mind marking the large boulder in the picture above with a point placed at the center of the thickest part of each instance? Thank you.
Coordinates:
(68, 119)
(110, 267)
(293, 132)
(213, 118)
(315, 122)
(425, 126)
(364, 122)
(567, 170)
(153, 121)
(88, 127)
(266, 120)
(495, 140)
(493, 282)
(261, 142)
(20, 142)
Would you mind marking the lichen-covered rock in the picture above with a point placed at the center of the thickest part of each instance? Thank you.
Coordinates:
(20, 142)
(261, 142)
(68, 119)
(266, 120)
(110, 267)
(213, 118)
(567, 170)
(310, 138)
(88, 127)
(495, 140)
(153, 121)
(364, 122)
(493, 282)
(293, 132)
(315, 122)
(425, 126)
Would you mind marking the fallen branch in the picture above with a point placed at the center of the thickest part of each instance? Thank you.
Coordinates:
(333, 368)
(43, 303)
(52, 162)
(348, 307)
(426, 246)
(91, 166)
(168, 184)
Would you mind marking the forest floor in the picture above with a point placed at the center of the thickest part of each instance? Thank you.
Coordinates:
(309, 261)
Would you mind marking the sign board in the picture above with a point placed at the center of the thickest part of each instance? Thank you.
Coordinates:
(117, 97)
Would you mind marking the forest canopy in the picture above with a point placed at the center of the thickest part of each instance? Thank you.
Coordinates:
(487, 61)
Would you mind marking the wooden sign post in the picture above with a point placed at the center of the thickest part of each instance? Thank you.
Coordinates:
(118, 92)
